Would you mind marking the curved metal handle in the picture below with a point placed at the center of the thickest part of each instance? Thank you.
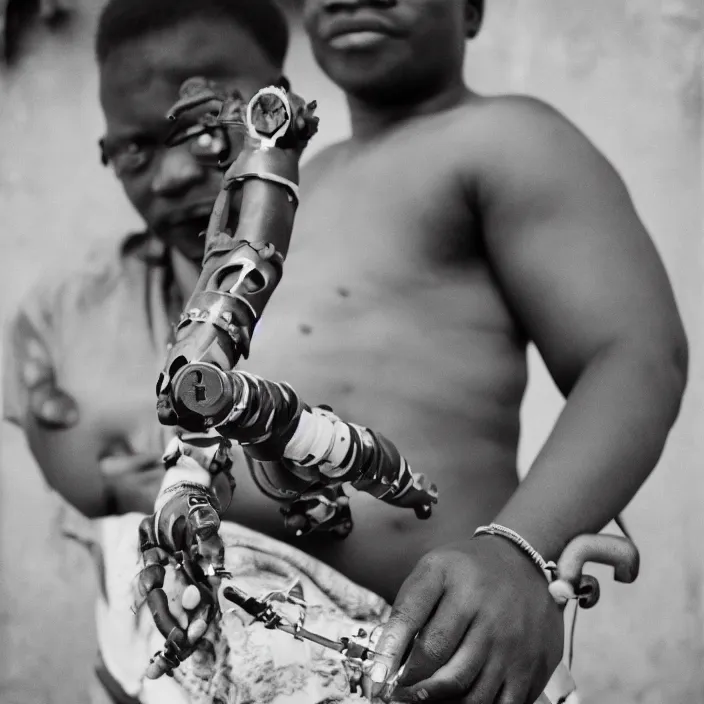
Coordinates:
(612, 550)
(620, 553)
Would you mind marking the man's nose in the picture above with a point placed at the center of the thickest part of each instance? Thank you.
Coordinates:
(178, 171)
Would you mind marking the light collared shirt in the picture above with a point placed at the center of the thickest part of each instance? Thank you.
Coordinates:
(100, 332)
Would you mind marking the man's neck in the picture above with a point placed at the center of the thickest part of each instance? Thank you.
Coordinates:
(371, 120)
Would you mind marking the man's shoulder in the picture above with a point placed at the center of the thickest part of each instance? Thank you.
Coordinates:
(514, 136)
(506, 119)
(513, 104)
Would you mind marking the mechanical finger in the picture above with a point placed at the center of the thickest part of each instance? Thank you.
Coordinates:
(165, 621)
(152, 575)
(202, 617)
(161, 664)
(166, 661)
(176, 583)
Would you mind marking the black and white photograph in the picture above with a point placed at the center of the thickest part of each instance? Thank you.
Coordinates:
(352, 351)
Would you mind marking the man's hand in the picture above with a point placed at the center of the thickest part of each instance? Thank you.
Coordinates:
(485, 626)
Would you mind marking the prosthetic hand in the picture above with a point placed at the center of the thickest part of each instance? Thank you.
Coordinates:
(182, 535)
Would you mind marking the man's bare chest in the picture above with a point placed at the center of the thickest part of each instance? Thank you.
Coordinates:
(385, 280)
(408, 209)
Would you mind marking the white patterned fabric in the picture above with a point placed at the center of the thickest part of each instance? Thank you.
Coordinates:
(254, 665)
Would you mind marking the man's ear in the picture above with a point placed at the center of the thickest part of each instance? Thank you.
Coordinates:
(473, 16)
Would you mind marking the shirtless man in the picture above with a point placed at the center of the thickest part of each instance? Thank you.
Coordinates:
(449, 231)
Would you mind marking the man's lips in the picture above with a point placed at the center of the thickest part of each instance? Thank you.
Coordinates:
(184, 215)
(357, 40)
(358, 31)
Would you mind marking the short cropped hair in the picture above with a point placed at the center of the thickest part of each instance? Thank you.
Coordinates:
(124, 20)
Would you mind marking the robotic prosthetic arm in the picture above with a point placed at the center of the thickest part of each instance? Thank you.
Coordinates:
(272, 424)
(259, 145)
(212, 405)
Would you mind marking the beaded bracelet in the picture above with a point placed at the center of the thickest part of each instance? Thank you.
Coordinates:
(549, 569)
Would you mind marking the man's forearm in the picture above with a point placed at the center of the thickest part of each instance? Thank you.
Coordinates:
(606, 442)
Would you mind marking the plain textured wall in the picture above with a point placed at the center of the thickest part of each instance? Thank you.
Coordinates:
(630, 75)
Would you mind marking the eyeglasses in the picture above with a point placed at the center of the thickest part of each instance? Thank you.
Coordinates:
(209, 144)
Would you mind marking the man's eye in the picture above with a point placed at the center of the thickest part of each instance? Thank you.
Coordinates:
(207, 142)
(131, 158)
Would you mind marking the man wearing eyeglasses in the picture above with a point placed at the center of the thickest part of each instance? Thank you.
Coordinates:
(84, 352)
